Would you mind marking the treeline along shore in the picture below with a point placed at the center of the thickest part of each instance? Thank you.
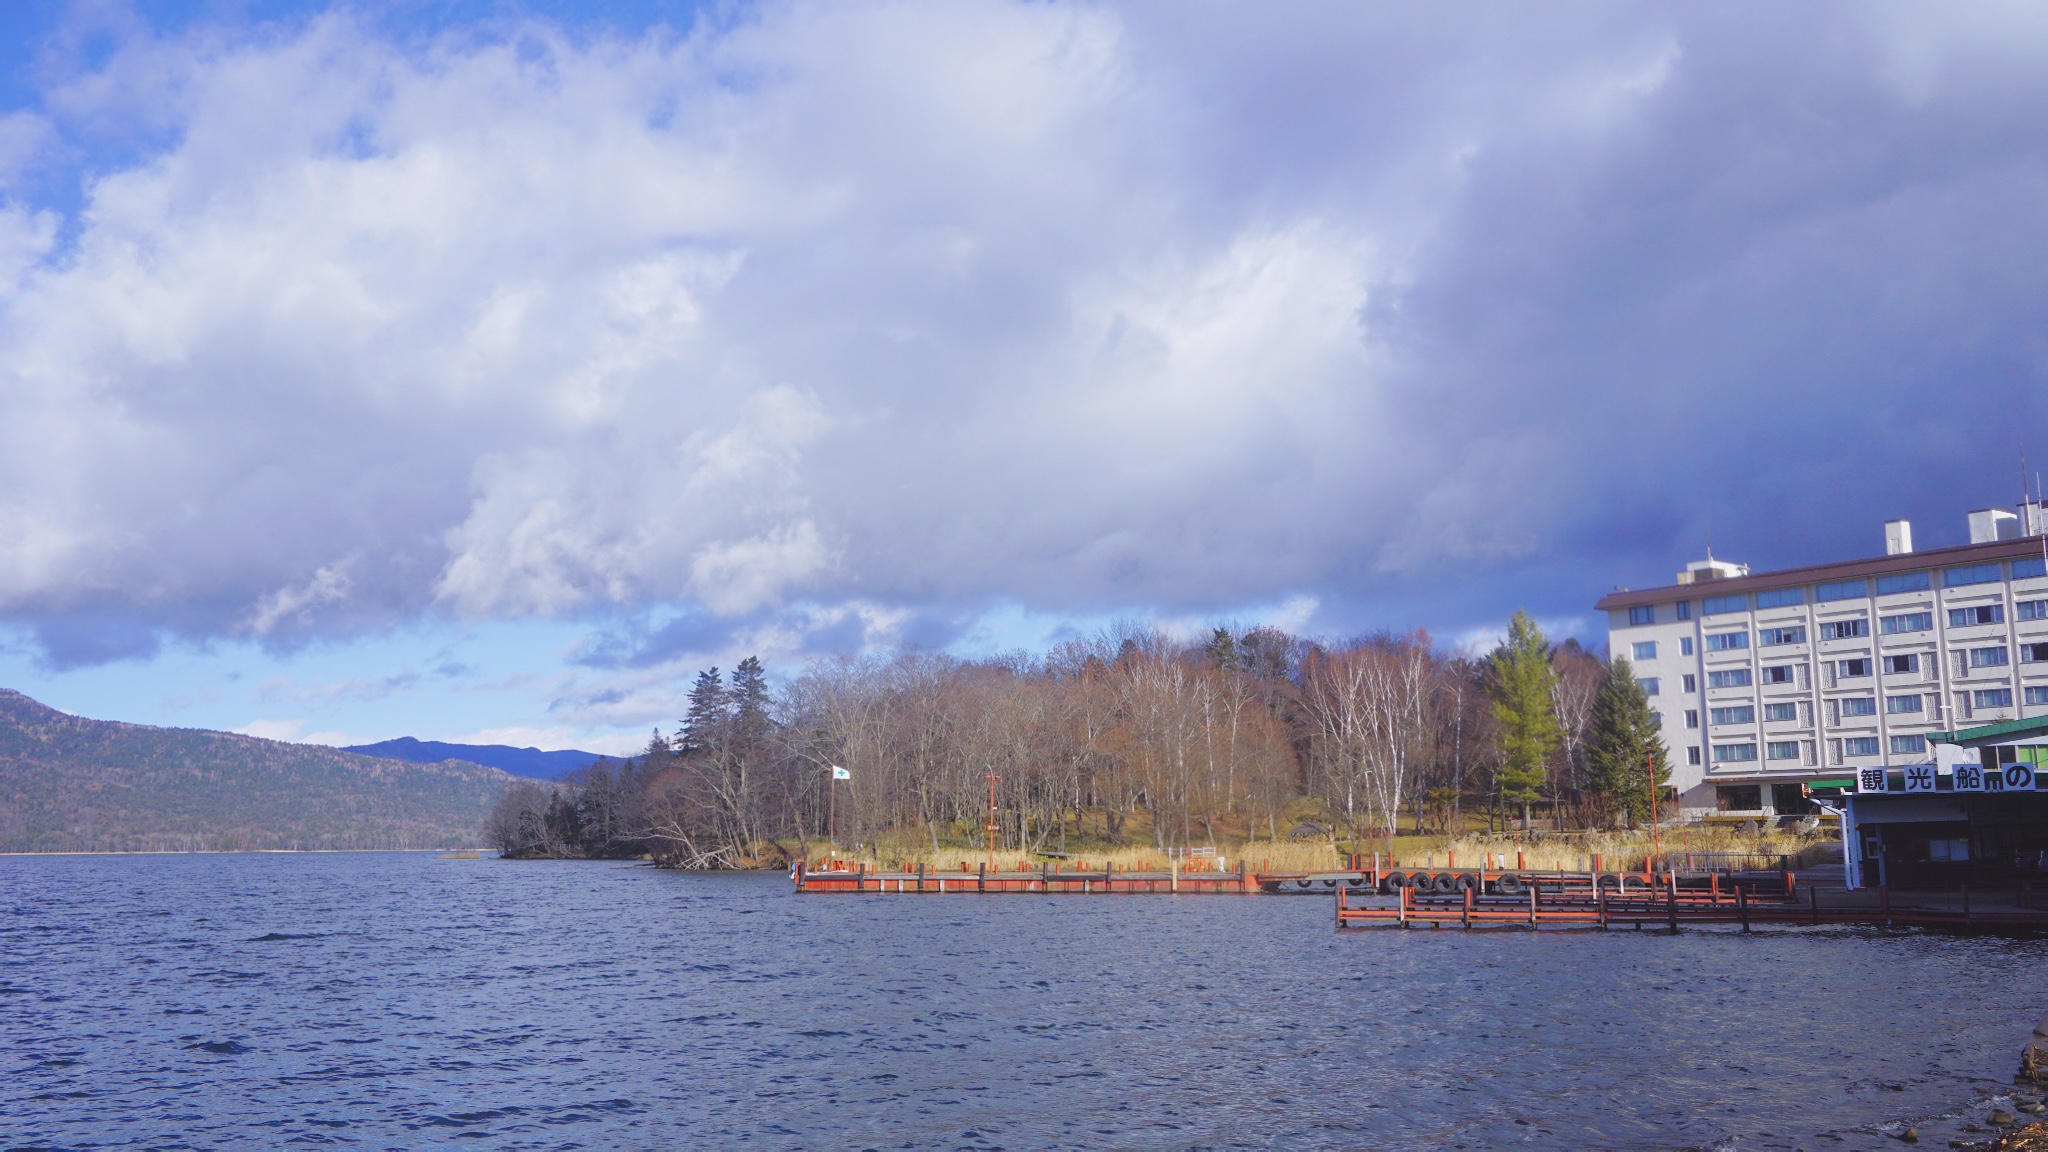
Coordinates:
(1125, 739)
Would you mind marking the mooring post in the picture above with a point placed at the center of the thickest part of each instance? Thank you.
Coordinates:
(981, 877)
(1532, 906)
(1671, 904)
(1340, 905)
(1813, 904)
(860, 877)
(1402, 905)
(799, 875)
(1600, 900)
(1742, 906)
(920, 875)
(1468, 908)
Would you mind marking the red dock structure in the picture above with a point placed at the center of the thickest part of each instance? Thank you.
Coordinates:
(1045, 880)
(1673, 900)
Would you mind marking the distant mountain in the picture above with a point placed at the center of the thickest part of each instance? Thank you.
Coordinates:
(69, 785)
(528, 762)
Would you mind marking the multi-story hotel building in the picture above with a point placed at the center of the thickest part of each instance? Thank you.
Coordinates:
(1772, 687)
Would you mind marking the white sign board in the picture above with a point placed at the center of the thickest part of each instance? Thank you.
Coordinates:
(1870, 780)
(1919, 777)
(1969, 777)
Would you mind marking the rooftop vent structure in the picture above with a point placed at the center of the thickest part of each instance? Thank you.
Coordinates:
(1898, 537)
(1701, 571)
(1988, 525)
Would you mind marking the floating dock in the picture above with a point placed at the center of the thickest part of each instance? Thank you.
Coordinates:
(1551, 904)
(1046, 880)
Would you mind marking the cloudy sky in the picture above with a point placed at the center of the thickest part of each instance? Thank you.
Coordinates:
(480, 370)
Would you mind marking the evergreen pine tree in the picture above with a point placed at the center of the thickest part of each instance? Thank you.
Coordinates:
(1521, 685)
(704, 727)
(1623, 736)
(750, 719)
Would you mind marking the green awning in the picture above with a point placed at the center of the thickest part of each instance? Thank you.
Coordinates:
(1830, 783)
(1992, 733)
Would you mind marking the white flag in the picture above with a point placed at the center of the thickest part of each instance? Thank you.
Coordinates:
(839, 773)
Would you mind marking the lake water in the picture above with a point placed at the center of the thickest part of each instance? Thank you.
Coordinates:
(403, 1001)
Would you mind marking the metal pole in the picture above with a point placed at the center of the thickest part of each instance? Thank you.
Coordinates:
(991, 827)
(1650, 770)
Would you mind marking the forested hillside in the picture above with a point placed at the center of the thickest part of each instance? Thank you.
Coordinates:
(68, 785)
(1110, 741)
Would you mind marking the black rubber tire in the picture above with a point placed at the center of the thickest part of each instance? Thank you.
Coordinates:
(1396, 881)
(1467, 880)
(1444, 884)
(1509, 886)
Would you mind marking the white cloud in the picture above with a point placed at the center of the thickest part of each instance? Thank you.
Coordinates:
(869, 308)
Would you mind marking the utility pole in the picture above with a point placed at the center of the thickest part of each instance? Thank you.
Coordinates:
(991, 826)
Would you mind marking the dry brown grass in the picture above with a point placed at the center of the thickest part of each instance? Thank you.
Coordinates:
(1261, 855)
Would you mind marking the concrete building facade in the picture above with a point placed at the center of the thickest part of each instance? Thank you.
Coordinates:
(1778, 687)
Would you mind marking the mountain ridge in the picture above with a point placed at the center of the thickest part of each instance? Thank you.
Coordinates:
(70, 784)
(530, 763)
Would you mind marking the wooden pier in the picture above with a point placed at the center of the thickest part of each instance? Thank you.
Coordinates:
(1044, 880)
(1674, 900)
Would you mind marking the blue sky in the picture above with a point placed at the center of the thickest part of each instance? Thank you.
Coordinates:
(481, 370)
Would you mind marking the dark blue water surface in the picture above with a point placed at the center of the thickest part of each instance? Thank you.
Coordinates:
(403, 1001)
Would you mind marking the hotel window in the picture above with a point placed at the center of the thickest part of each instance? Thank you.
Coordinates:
(2037, 695)
(1981, 614)
(1727, 641)
(2030, 610)
(1733, 752)
(1845, 590)
(1646, 614)
(2022, 569)
(1715, 605)
(1657, 720)
(1859, 706)
(1904, 582)
(1685, 609)
(1782, 750)
(1744, 714)
(1845, 629)
(1988, 657)
(2033, 653)
(1781, 711)
(1692, 717)
(1897, 705)
(1646, 650)
(1731, 678)
(1909, 745)
(1850, 669)
(1692, 754)
(1906, 622)
(1649, 684)
(1685, 645)
(1777, 674)
(1974, 574)
(1991, 698)
(1859, 746)
(1901, 665)
(1692, 683)
(1780, 597)
(1771, 637)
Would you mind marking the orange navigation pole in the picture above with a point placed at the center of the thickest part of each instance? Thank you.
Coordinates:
(991, 826)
